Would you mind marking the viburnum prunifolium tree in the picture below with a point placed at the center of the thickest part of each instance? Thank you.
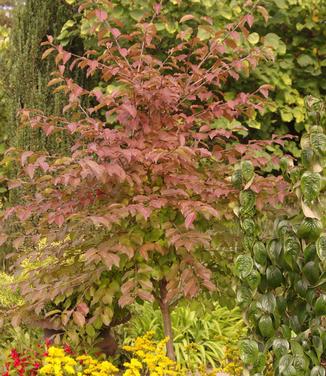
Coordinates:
(128, 215)
(283, 278)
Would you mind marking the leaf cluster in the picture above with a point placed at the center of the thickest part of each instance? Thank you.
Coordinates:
(283, 277)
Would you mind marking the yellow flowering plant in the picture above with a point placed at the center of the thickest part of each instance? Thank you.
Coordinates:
(58, 363)
(148, 358)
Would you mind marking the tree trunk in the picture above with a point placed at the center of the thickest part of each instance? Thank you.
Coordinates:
(167, 324)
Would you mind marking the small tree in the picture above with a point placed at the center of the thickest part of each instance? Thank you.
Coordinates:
(129, 214)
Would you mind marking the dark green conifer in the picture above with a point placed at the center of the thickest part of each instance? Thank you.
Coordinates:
(29, 74)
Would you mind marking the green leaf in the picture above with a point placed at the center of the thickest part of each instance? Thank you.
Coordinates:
(321, 247)
(318, 344)
(243, 266)
(296, 348)
(318, 143)
(310, 185)
(248, 242)
(310, 252)
(260, 253)
(311, 272)
(286, 115)
(299, 114)
(266, 327)
(249, 351)
(267, 303)
(247, 199)
(318, 371)
(280, 347)
(244, 295)
(253, 38)
(285, 366)
(272, 40)
(237, 179)
(253, 279)
(274, 276)
(274, 249)
(90, 330)
(252, 123)
(310, 229)
(301, 287)
(320, 305)
(203, 33)
(260, 363)
(248, 170)
(300, 364)
(292, 246)
(282, 4)
(68, 24)
(305, 60)
(248, 226)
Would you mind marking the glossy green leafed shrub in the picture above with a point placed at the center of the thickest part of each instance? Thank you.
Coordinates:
(283, 279)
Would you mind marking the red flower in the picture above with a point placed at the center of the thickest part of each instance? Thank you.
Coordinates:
(67, 349)
(17, 362)
(14, 354)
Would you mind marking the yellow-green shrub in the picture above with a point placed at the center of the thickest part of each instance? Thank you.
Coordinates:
(8, 298)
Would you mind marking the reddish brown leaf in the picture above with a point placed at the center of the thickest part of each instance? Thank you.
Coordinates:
(263, 11)
(25, 156)
(126, 300)
(59, 220)
(3, 239)
(187, 17)
(101, 15)
(83, 308)
(189, 220)
(110, 259)
(17, 243)
(145, 295)
(79, 318)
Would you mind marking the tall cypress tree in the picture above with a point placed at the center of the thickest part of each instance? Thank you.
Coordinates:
(29, 74)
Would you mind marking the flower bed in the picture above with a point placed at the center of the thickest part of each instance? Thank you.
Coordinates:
(147, 357)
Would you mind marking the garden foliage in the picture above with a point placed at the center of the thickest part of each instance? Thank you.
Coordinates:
(283, 277)
(205, 334)
(158, 110)
(293, 30)
(129, 213)
(146, 357)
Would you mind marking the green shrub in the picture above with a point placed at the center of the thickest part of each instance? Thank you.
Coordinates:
(283, 290)
(204, 332)
(8, 298)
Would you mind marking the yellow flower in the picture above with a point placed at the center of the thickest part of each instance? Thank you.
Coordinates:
(69, 369)
(46, 370)
(55, 352)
